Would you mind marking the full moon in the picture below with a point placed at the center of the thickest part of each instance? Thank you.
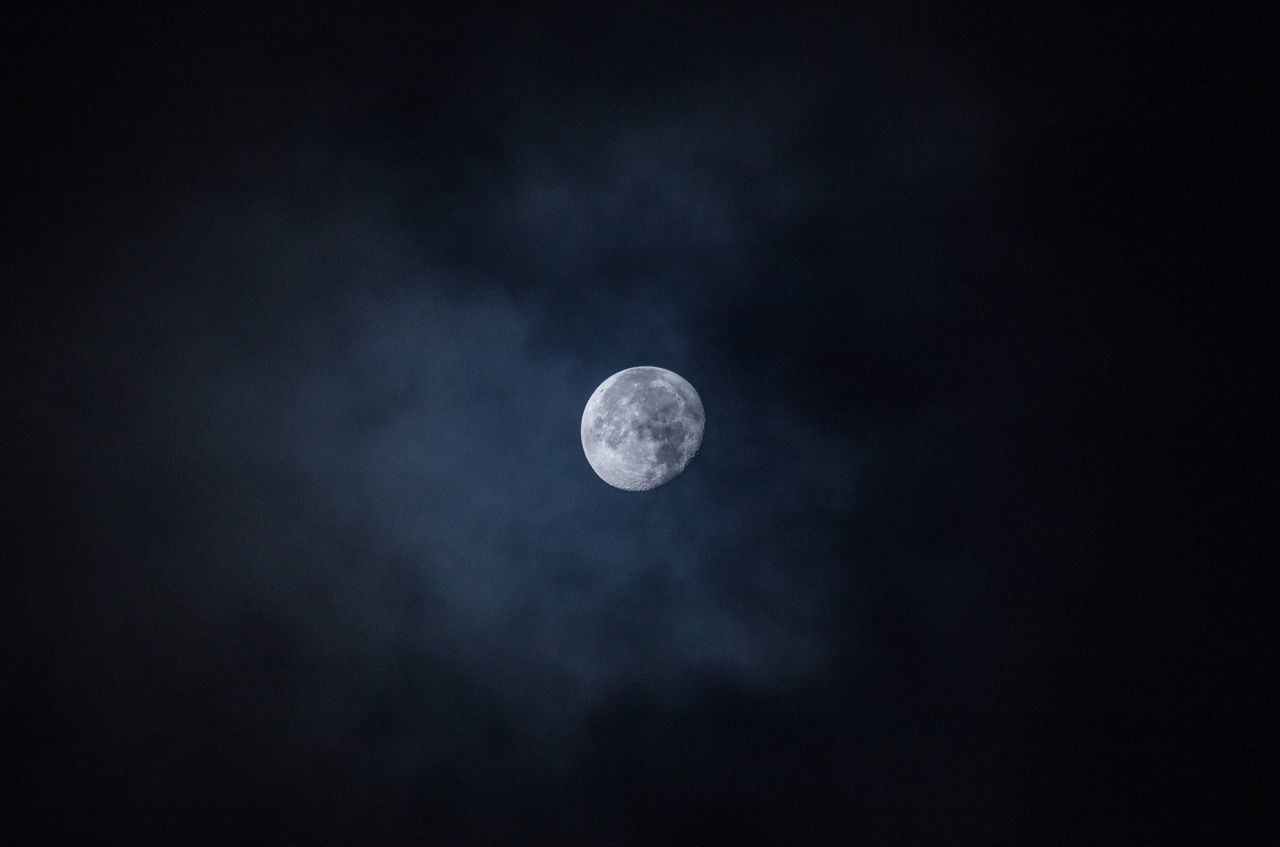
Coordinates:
(641, 427)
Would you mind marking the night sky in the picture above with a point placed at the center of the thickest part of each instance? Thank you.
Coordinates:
(301, 312)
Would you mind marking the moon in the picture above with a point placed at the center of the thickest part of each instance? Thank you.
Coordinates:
(641, 427)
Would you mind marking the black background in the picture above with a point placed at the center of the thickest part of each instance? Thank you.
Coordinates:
(302, 309)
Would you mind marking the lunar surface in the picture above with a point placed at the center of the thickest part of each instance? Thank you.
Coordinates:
(641, 427)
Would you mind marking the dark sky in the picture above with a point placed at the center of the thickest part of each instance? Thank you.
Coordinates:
(301, 311)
